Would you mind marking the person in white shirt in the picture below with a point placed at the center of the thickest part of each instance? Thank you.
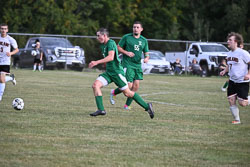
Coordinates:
(238, 61)
(6, 42)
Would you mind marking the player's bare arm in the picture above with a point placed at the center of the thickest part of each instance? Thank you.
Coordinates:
(146, 57)
(121, 50)
(15, 51)
(224, 71)
(41, 58)
(247, 77)
(109, 58)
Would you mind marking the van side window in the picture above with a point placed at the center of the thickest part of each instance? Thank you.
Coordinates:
(196, 50)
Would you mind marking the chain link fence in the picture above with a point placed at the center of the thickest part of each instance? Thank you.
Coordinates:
(92, 50)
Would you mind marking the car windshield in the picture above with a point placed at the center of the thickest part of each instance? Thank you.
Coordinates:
(155, 56)
(58, 42)
(213, 48)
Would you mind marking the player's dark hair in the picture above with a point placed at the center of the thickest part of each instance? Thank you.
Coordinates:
(103, 31)
(238, 38)
(138, 22)
(3, 24)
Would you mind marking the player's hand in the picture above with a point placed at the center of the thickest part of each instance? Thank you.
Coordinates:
(92, 64)
(146, 59)
(130, 54)
(222, 73)
(8, 54)
(247, 77)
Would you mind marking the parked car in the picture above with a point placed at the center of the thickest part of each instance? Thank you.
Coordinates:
(58, 52)
(156, 64)
(159, 53)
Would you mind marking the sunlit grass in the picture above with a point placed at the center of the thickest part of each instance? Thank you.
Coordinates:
(191, 125)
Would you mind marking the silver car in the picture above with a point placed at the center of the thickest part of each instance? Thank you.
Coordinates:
(157, 63)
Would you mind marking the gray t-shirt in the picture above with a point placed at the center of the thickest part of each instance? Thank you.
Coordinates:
(237, 61)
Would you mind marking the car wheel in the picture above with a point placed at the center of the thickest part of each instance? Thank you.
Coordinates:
(60, 66)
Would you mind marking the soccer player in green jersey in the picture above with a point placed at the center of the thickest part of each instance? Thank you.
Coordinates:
(132, 46)
(114, 73)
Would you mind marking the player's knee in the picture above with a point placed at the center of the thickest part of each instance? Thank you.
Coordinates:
(128, 93)
(135, 88)
(96, 85)
(232, 100)
(243, 103)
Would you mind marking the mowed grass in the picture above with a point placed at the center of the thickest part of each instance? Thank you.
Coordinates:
(192, 124)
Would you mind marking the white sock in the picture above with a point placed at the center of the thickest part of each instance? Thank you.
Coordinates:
(2, 87)
(34, 67)
(235, 112)
(248, 100)
(8, 78)
(39, 68)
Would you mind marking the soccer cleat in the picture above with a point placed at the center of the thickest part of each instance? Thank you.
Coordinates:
(126, 107)
(98, 112)
(111, 99)
(13, 79)
(235, 122)
(150, 110)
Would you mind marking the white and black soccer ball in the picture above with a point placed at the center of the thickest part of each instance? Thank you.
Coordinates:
(18, 104)
(33, 53)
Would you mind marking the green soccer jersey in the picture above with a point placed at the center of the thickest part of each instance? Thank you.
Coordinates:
(113, 67)
(135, 45)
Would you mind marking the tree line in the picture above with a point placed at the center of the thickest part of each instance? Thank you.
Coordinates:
(196, 20)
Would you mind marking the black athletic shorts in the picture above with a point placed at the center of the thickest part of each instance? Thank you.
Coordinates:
(239, 89)
(5, 68)
(37, 61)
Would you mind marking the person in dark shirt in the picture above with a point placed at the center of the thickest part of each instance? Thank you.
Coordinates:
(177, 66)
(38, 57)
(195, 67)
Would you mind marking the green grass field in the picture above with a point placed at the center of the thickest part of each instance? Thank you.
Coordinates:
(192, 124)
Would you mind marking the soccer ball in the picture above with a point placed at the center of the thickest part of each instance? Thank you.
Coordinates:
(33, 53)
(18, 104)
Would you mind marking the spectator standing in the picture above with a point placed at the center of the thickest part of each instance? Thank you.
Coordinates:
(38, 57)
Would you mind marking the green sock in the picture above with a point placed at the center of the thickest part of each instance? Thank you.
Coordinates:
(98, 100)
(117, 91)
(225, 84)
(140, 101)
(129, 101)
